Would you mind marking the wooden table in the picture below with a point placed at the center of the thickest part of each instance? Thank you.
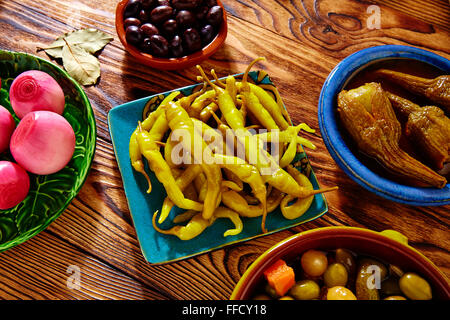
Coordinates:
(302, 40)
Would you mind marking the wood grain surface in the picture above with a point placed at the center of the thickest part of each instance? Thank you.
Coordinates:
(302, 41)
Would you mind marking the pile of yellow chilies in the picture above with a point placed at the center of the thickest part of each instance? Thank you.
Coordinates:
(210, 184)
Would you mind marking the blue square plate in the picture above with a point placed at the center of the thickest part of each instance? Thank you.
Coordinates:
(160, 248)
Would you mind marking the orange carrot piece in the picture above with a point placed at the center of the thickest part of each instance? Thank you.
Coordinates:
(280, 276)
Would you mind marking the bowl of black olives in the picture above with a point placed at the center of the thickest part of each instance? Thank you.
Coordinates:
(171, 34)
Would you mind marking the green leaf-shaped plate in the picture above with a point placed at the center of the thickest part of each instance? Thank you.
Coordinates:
(49, 195)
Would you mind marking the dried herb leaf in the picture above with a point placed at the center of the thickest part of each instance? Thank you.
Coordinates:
(55, 49)
(80, 64)
(91, 40)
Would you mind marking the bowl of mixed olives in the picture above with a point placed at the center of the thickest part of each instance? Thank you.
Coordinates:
(171, 34)
(343, 263)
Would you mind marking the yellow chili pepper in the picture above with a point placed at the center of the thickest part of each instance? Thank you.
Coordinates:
(290, 153)
(301, 205)
(230, 84)
(219, 82)
(201, 102)
(190, 192)
(192, 229)
(249, 174)
(252, 102)
(201, 186)
(269, 104)
(231, 87)
(222, 212)
(186, 102)
(147, 124)
(179, 119)
(213, 138)
(226, 104)
(159, 166)
(285, 136)
(267, 166)
(226, 184)
(198, 224)
(233, 177)
(236, 202)
(168, 150)
(183, 181)
(184, 216)
(205, 113)
(136, 160)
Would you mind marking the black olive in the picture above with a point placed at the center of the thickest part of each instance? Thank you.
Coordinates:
(201, 12)
(170, 27)
(215, 16)
(149, 29)
(144, 15)
(161, 14)
(146, 45)
(211, 3)
(148, 4)
(186, 4)
(133, 35)
(176, 47)
(163, 2)
(159, 45)
(131, 22)
(207, 34)
(185, 19)
(192, 40)
(132, 8)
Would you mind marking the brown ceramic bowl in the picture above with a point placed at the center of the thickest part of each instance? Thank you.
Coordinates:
(389, 246)
(170, 63)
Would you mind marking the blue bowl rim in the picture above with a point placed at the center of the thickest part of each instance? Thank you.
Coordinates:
(337, 147)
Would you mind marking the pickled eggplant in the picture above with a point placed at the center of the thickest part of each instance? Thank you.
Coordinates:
(427, 127)
(436, 90)
(368, 116)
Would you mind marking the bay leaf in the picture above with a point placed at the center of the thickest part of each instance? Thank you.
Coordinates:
(55, 49)
(80, 64)
(91, 40)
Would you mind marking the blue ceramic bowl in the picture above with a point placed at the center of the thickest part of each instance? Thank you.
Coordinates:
(339, 150)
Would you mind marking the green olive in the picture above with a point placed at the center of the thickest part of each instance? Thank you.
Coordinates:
(389, 287)
(305, 290)
(335, 275)
(340, 293)
(314, 262)
(286, 298)
(346, 258)
(271, 291)
(395, 298)
(393, 269)
(415, 287)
